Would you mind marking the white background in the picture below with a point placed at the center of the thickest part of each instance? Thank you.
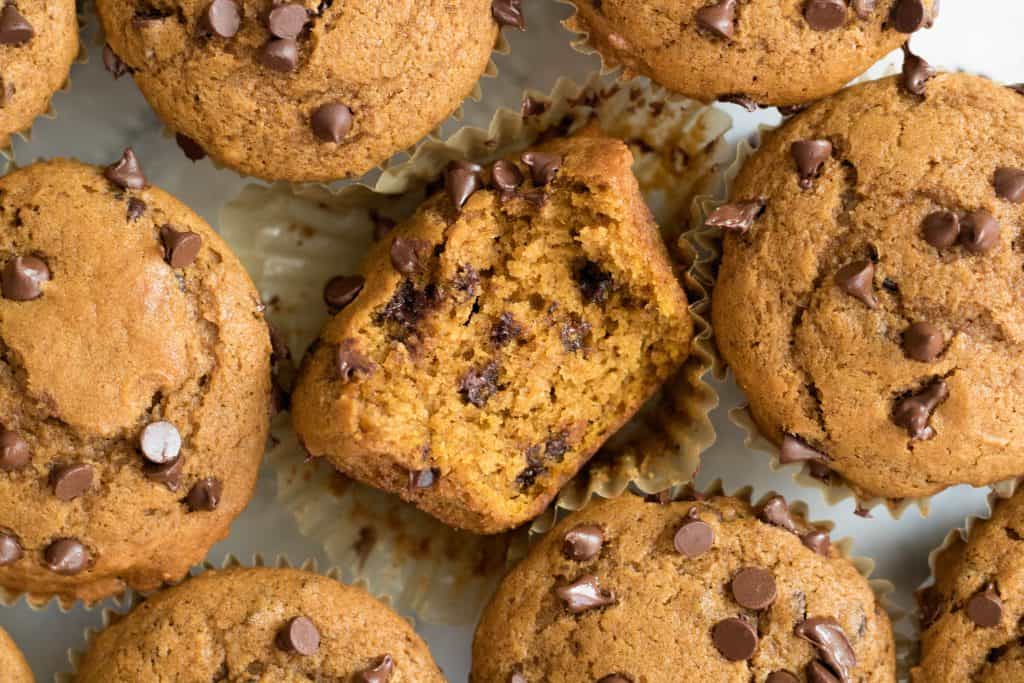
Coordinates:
(98, 117)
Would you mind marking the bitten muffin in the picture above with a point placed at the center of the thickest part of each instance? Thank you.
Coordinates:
(302, 91)
(502, 335)
(134, 382)
(260, 624)
(766, 52)
(38, 43)
(971, 617)
(707, 590)
(12, 662)
(869, 298)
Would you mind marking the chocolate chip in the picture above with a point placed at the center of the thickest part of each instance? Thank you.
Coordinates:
(907, 16)
(504, 330)
(740, 100)
(299, 635)
(775, 511)
(479, 383)
(136, 207)
(23, 277)
(595, 283)
(204, 496)
(914, 412)
(506, 176)
(788, 110)
(795, 449)
(517, 677)
(222, 18)
(405, 254)
(66, 556)
(423, 479)
(827, 636)
(342, 290)
(14, 28)
(1017, 88)
(509, 13)
(191, 148)
(985, 608)
(126, 172)
(736, 216)
(349, 363)
(818, 541)
(14, 451)
(10, 549)
(380, 672)
(70, 481)
(112, 63)
(180, 247)
(781, 677)
(583, 542)
(858, 280)
(916, 72)
(735, 639)
(331, 122)
(531, 106)
(810, 156)
(819, 673)
(382, 225)
(160, 442)
(694, 538)
(923, 342)
(615, 678)
(825, 15)
(574, 333)
(280, 55)
(753, 588)
(718, 19)
(287, 20)
(979, 232)
(864, 8)
(543, 166)
(941, 229)
(585, 594)
(462, 179)
(168, 473)
(1009, 184)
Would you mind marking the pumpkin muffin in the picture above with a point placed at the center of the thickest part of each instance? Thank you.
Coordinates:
(12, 662)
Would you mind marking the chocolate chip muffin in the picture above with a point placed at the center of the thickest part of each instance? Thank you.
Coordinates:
(302, 91)
(134, 382)
(260, 624)
(494, 341)
(750, 51)
(38, 43)
(971, 617)
(12, 662)
(869, 296)
(702, 590)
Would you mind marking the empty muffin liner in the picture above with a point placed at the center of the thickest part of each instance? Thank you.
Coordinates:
(131, 600)
(293, 239)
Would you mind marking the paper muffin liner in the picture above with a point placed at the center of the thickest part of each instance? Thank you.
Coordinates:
(132, 600)
(293, 239)
(957, 536)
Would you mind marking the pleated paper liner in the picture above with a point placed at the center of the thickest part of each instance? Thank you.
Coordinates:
(293, 240)
(132, 600)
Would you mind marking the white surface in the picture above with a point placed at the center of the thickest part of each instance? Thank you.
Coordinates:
(99, 116)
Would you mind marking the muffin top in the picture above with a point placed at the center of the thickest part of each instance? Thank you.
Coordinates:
(971, 616)
(709, 590)
(38, 43)
(12, 662)
(302, 91)
(869, 299)
(260, 624)
(134, 382)
(769, 52)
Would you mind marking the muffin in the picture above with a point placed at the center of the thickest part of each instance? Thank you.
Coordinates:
(868, 299)
(496, 339)
(705, 590)
(763, 52)
(38, 43)
(970, 616)
(303, 91)
(265, 624)
(12, 662)
(134, 382)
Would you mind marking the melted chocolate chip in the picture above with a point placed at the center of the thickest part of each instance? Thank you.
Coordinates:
(827, 636)
(923, 342)
(126, 172)
(1009, 184)
(543, 166)
(505, 330)
(985, 609)
(287, 20)
(14, 451)
(740, 100)
(180, 247)
(280, 55)
(585, 594)
(914, 412)
(479, 384)
(718, 19)
(908, 16)
(736, 216)
(916, 72)
(941, 229)
(531, 106)
(775, 511)
(979, 232)
(574, 334)
(615, 678)
(342, 290)
(350, 363)
(112, 63)
(858, 280)
(735, 639)
(753, 588)
(795, 449)
(10, 549)
(192, 150)
(406, 308)
(506, 177)
(300, 636)
(819, 673)
(331, 122)
(810, 156)
(222, 18)
(136, 207)
(407, 254)
(825, 15)
(380, 672)
(595, 283)
(204, 496)
(14, 27)
(23, 277)
(583, 542)
(781, 677)
(66, 556)
(462, 179)
(70, 481)
(818, 541)
(509, 13)
(168, 473)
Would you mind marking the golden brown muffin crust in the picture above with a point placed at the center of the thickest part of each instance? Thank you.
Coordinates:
(12, 662)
